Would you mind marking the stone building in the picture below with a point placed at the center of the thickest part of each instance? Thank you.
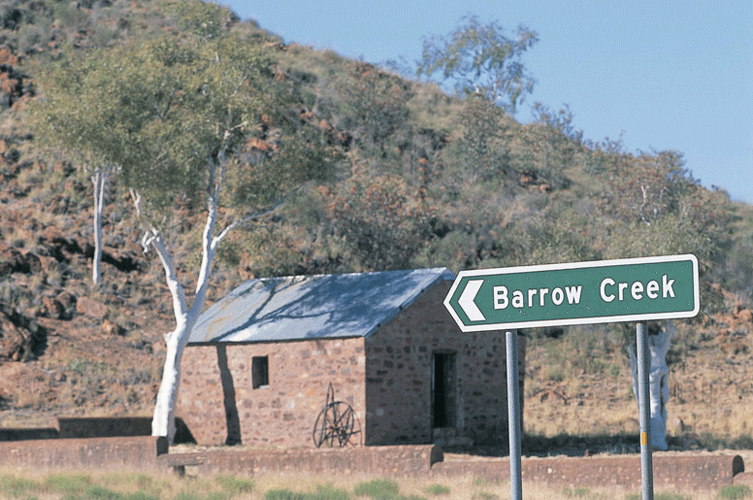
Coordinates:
(259, 363)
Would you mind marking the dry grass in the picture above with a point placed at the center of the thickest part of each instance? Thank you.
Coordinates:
(143, 486)
(709, 387)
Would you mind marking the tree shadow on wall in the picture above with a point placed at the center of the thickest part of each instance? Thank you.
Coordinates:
(228, 391)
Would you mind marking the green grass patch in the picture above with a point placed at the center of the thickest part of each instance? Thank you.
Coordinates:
(437, 490)
(95, 492)
(234, 485)
(17, 486)
(212, 495)
(734, 492)
(141, 495)
(382, 489)
(485, 495)
(581, 492)
(67, 483)
(283, 494)
(326, 492)
(377, 488)
(669, 495)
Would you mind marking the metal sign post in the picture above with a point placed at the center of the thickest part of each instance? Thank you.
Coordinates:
(647, 473)
(513, 415)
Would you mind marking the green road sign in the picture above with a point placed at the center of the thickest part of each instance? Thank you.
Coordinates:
(576, 293)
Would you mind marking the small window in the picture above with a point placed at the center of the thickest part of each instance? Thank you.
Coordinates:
(259, 371)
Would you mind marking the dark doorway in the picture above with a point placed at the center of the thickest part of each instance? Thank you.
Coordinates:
(443, 382)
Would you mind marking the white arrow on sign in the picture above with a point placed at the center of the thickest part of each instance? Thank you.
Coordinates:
(467, 300)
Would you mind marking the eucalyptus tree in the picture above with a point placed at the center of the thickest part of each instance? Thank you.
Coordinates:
(176, 111)
(652, 205)
(73, 116)
(485, 66)
(481, 59)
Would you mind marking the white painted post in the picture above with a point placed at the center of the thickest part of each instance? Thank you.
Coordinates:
(658, 381)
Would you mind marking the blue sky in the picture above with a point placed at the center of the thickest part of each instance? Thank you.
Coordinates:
(665, 74)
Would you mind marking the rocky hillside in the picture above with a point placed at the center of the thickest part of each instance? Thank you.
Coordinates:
(420, 179)
(65, 348)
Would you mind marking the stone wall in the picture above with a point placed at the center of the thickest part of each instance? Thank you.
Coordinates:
(399, 376)
(219, 404)
(676, 472)
(391, 461)
(112, 453)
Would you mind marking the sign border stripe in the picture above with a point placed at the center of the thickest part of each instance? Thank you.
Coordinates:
(569, 266)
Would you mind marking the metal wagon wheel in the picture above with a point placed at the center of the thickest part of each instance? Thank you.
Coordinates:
(335, 423)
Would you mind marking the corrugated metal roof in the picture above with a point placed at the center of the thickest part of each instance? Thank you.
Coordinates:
(306, 307)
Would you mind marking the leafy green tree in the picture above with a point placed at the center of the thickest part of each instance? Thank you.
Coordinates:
(174, 112)
(374, 102)
(206, 20)
(735, 267)
(544, 149)
(653, 206)
(481, 59)
(482, 152)
(73, 117)
(381, 222)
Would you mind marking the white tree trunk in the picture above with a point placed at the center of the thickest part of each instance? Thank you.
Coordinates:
(163, 421)
(658, 380)
(99, 179)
